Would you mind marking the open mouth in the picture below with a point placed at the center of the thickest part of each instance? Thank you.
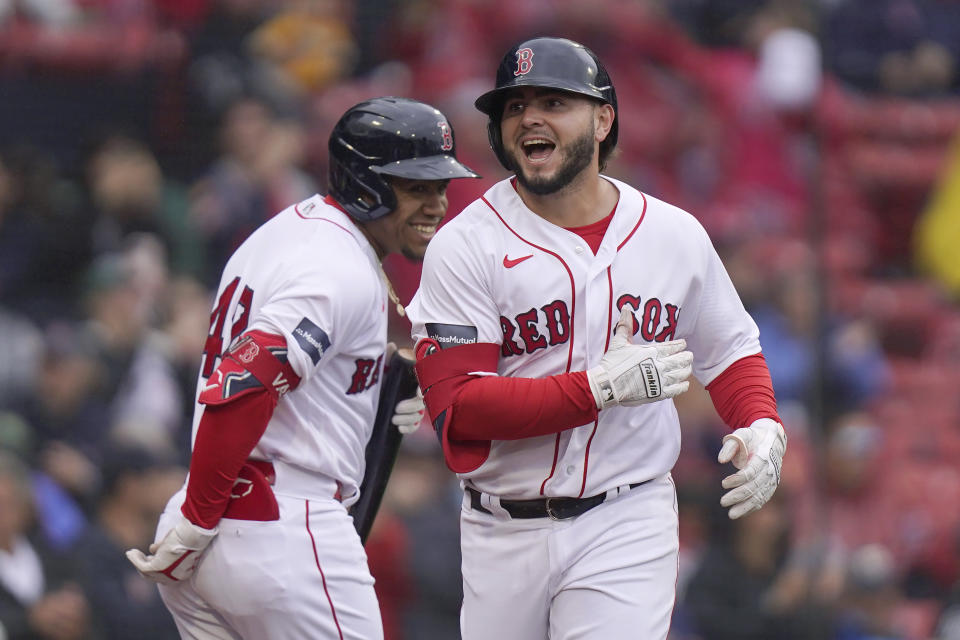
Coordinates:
(538, 149)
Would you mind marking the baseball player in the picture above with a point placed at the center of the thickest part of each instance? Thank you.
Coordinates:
(259, 543)
(556, 318)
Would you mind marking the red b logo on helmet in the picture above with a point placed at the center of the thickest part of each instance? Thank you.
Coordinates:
(447, 142)
(524, 61)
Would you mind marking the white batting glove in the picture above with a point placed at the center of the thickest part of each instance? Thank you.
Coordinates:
(632, 374)
(409, 414)
(757, 451)
(176, 556)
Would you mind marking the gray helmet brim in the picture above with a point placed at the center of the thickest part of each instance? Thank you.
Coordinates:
(443, 167)
(491, 102)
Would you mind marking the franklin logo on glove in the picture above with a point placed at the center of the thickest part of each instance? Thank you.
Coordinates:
(634, 374)
(650, 375)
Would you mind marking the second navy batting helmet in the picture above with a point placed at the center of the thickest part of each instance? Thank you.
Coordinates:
(388, 137)
(554, 63)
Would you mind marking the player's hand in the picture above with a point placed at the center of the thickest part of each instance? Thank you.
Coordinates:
(632, 374)
(409, 413)
(176, 556)
(757, 451)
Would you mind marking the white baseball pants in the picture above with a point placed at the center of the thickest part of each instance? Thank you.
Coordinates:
(302, 576)
(609, 574)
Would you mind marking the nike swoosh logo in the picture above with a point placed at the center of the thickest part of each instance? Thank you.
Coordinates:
(509, 264)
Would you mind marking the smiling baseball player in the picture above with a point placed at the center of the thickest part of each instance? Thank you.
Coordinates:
(259, 543)
(556, 318)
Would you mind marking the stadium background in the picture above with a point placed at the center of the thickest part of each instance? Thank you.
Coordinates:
(817, 141)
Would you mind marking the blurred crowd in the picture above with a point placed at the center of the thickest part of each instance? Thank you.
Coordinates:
(818, 142)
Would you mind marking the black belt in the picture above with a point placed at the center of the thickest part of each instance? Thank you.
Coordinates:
(553, 508)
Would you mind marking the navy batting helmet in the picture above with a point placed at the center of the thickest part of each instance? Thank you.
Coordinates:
(554, 63)
(388, 137)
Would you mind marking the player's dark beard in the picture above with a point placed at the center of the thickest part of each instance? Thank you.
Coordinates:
(411, 255)
(577, 156)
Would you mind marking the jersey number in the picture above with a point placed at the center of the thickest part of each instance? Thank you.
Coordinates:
(213, 347)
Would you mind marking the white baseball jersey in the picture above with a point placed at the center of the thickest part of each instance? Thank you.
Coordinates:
(310, 275)
(498, 273)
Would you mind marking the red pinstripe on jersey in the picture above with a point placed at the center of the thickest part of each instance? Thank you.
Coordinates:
(639, 222)
(573, 313)
(606, 344)
(573, 289)
(323, 578)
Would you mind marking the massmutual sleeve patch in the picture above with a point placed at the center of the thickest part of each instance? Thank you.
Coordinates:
(451, 335)
(312, 339)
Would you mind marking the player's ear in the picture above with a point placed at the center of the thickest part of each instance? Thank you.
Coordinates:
(603, 116)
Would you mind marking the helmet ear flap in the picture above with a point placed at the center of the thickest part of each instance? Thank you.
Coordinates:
(364, 202)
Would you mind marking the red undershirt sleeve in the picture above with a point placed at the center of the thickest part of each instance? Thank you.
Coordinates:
(239, 399)
(496, 408)
(481, 408)
(744, 392)
(225, 437)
